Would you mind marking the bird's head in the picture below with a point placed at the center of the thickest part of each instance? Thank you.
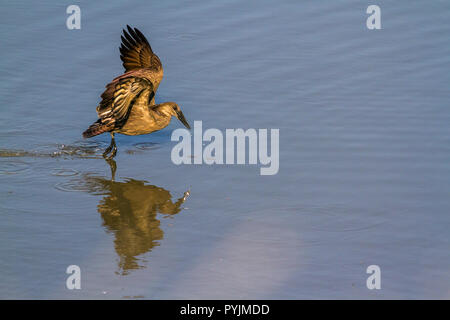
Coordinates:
(172, 109)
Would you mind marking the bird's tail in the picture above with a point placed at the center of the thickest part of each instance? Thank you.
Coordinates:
(96, 128)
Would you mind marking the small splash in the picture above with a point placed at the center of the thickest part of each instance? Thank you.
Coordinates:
(82, 149)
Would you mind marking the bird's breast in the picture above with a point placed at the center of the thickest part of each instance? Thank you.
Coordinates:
(142, 120)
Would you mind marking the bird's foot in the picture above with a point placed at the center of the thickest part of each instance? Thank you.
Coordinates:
(114, 152)
(111, 155)
(108, 150)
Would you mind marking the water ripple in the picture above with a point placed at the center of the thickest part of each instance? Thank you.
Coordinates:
(147, 146)
(62, 172)
(13, 167)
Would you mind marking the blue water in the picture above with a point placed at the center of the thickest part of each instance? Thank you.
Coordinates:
(364, 173)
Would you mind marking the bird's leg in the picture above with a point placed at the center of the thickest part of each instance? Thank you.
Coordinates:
(108, 150)
(113, 167)
(114, 151)
(112, 147)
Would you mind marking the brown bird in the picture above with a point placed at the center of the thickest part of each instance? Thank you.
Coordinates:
(128, 103)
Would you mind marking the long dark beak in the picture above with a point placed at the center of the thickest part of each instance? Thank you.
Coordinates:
(181, 117)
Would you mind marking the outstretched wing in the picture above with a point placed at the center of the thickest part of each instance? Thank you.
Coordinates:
(119, 97)
(136, 52)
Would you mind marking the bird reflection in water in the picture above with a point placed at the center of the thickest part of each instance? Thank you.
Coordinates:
(129, 211)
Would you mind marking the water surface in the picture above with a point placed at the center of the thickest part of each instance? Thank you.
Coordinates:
(364, 152)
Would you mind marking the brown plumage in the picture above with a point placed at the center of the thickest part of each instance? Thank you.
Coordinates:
(128, 103)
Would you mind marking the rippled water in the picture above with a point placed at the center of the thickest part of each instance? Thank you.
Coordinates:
(364, 152)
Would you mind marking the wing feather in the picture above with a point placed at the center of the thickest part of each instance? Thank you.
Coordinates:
(136, 52)
(119, 97)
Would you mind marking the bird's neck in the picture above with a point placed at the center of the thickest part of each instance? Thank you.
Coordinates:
(162, 116)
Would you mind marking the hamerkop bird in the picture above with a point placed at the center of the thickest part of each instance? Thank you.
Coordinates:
(128, 103)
